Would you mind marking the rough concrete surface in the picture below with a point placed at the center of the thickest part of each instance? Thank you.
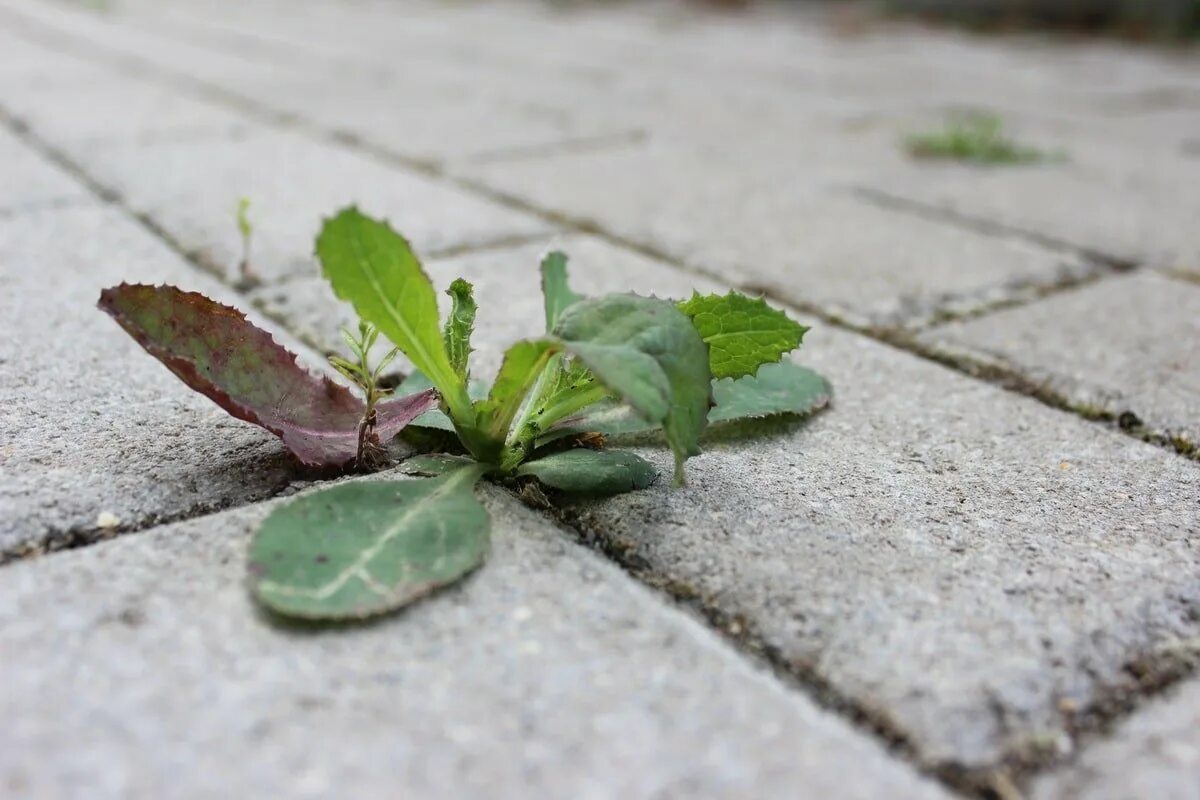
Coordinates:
(31, 182)
(1155, 753)
(548, 674)
(773, 224)
(1126, 346)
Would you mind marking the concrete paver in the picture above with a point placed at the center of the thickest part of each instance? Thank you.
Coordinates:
(1129, 345)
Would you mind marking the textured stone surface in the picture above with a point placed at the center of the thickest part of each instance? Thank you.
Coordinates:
(31, 181)
(548, 674)
(92, 424)
(109, 106)
(1126, 345)
(771, 223)
(1155, 753)
(191, 189)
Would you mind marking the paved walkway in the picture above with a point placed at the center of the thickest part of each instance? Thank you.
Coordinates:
(978, 573)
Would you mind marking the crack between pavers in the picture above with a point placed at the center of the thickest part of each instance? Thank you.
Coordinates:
(1002, 780)
(74, 537)
(930, 211)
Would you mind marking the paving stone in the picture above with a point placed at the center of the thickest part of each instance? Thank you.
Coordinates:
(31, 181)
(1155, 753)
(93, 425)
(191, 188)
(770, 223)
(547, 674)
(108, 106)
(1126, 345)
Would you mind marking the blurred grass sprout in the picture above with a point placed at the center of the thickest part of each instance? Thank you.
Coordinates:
(976, 138)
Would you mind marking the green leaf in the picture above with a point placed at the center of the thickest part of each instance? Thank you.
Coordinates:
(648, 352)
(374, 269)
(432, 465)
(522, 365)
(216, 351)
(783, 388)
(741, 332)
(600, 472)
(557, 293)
(459, 325)
(366, 547)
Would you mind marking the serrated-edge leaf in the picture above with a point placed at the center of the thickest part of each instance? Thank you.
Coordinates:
(596, 472)
(520, 368)
(741, 332)
(367, 547)
(372, 267)
(219, 353)
(459, 325)
(555, 290)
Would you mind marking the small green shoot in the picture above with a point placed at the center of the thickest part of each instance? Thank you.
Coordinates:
(360, 372)
(605, 367)
(246, 277)
(976, 138)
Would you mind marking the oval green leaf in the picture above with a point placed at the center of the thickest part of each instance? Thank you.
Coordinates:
(366, 547)
(598, 472)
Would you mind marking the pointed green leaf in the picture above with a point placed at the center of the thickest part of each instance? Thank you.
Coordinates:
(558, 295)
(741, 332)
(648, 352)
(457, 332)
(600, 472)
(216, 351)
(366, 547)
(373, 268)
(522, 364)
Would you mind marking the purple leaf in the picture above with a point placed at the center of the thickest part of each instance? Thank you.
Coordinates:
(215, 350)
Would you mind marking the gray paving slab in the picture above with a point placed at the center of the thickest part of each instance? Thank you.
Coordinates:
(1155, 753)
(548, 674)
(31, 181)
(1128, 345)
(952, 558)
(776, 223)
(191, 188)
(97, 436)
(107, 106)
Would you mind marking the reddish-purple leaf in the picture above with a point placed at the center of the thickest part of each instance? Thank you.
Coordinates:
(215, 350)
